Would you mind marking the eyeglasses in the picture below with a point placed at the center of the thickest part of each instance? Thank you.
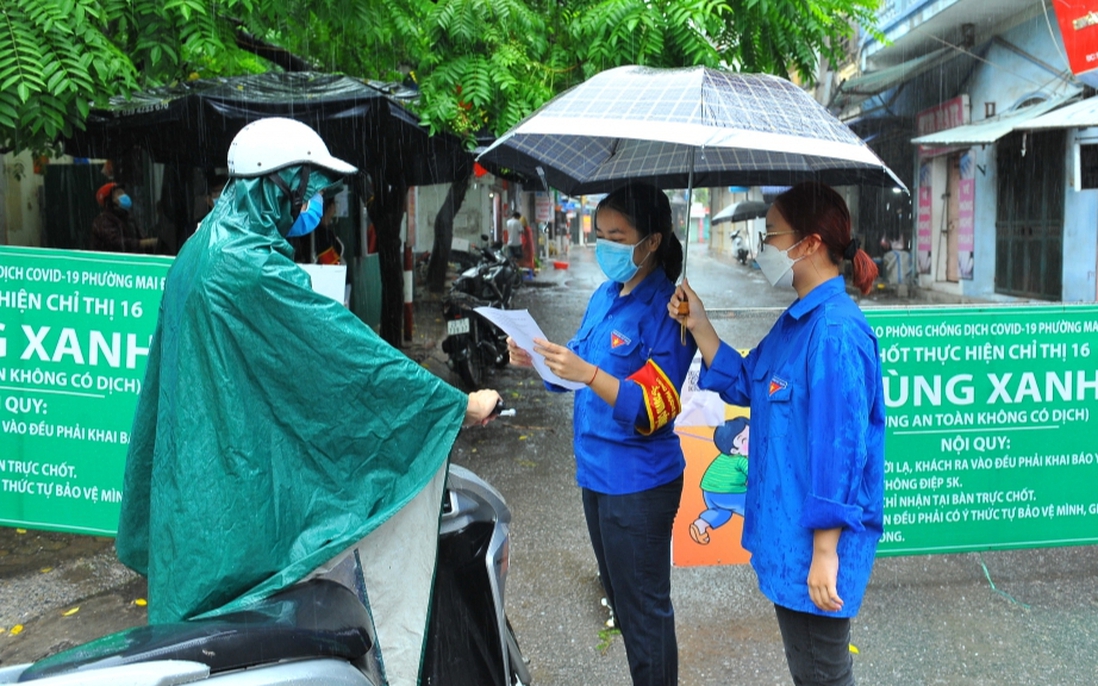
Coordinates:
(765, 238)
(768, 235)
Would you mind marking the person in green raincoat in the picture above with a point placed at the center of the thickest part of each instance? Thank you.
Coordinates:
(274, 429)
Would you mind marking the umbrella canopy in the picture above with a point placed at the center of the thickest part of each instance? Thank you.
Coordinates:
(193, 123)
(659, 125)
(741, 211)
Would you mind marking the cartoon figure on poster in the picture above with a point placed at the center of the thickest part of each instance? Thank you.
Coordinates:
(714, 439)
(724, 484)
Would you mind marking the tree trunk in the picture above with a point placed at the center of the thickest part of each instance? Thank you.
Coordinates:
(386, 212)
(444, 229)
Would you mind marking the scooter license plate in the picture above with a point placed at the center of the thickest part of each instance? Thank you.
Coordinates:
(456, 326)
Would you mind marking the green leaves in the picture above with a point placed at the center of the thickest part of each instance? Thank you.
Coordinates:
(45, 74)
(488, 63)
(480, 64)
(57, 57)
(787, 37)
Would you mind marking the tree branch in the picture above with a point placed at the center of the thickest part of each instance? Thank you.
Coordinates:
(273, 53)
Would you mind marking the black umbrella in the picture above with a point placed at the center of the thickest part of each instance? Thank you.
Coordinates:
(682, 128)
(741, 211)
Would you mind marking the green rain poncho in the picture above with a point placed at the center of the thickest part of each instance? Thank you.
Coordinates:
(274, 428)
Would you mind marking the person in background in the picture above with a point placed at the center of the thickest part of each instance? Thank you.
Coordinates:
(895, 243)
(214, 185)
(514, 237)
(895, 265)
(815, 500)
(328, 247)
(114, 230)
(529, 245)
(629, 463)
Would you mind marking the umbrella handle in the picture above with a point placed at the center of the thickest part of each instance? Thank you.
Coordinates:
(684, 306)
(684, 309)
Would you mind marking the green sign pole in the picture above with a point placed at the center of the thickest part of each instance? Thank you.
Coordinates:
(75, 329)
(990, 443)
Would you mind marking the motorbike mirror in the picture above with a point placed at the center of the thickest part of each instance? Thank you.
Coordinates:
(484, 237)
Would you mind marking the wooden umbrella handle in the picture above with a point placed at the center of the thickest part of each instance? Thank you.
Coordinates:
(684, 309)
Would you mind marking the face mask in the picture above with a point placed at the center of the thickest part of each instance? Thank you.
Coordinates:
(124, 202)
(616, 259)
(777, 265)
(309, 218)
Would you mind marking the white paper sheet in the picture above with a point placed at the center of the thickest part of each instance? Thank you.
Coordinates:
(329, 280)
(699, 408)
(520, 326)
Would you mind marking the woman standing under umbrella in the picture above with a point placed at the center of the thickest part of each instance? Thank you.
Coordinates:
(629, 463)
(815, 499)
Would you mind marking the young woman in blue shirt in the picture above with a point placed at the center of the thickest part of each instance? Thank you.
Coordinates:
(629, 463)
(815, 497)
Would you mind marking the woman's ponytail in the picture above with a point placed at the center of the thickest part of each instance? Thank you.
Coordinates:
(865, 271)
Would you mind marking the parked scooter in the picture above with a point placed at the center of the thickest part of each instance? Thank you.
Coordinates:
(319, 632)
(739, 246)
(473, 344)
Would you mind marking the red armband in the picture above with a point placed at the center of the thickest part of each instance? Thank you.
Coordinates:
(661, 398)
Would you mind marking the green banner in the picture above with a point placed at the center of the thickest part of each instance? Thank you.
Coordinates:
(75, 329)
(989, 442)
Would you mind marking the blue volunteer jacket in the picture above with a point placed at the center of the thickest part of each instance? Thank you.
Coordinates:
(632, 446)
(817, 444)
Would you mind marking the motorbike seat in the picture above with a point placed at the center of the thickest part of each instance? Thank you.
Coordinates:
(313, 619)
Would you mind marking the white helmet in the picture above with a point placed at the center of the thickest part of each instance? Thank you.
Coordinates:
(267, 145)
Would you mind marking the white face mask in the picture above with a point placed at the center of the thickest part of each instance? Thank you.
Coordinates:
(777, 265)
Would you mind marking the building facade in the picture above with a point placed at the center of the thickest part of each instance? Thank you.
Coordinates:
(998, 208)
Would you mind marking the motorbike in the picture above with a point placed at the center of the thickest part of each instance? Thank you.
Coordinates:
(473, 344)
(739, 246)
(320, 631)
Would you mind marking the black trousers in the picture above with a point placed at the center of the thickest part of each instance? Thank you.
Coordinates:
(631, 535)
(817, 648)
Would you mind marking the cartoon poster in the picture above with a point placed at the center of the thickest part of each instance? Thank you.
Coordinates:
(715, 440)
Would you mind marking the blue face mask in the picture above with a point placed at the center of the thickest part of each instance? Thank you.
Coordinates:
(616, 259)
(124, 202)
(309, 218)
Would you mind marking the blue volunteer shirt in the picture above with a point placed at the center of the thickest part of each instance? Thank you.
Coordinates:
(817, 444)
(632, 446)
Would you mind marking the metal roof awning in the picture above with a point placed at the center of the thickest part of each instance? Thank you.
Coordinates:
(873, 82)
(990, 130)
(1079, 115)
